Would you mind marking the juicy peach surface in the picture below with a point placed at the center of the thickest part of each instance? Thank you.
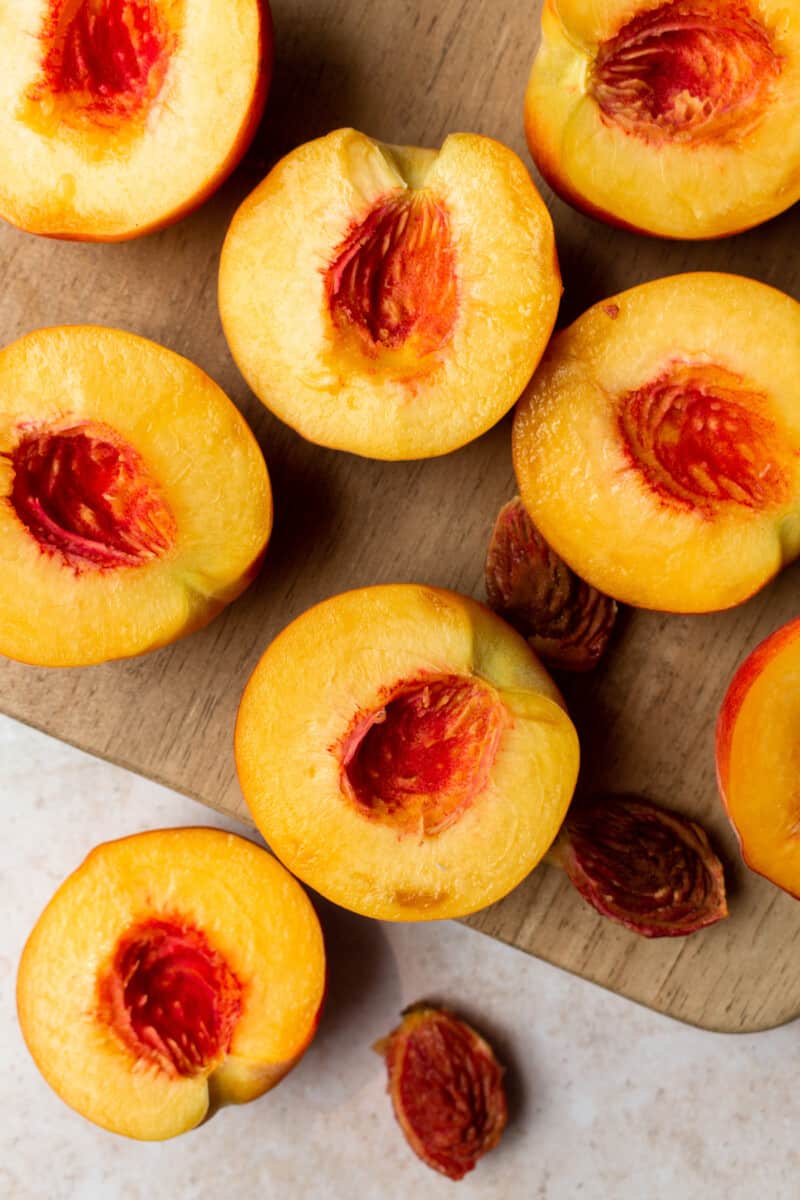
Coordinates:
(758, 734)
(676, 118)
(388, 300)
(134, 500)
(151, 992)
(118, 116)
(405, 752)
(658, 446)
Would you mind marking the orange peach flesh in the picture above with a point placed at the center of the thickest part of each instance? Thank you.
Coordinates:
(657, 448)
(420, 759)
(103, 100)
(675, 95)
(758, 732)
(85, 495)
(405, 753)
(390, 301)
(150, 992)
(134, 501)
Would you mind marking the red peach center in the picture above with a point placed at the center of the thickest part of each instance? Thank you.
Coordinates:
(104, 58)
(85, 494)
(423, 757)
(688, 70)
(701, 439)
(170, 998)
(392, 280)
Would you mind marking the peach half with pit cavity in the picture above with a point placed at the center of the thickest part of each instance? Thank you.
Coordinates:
(405, 753)
(119, 116)
(676, 118)
(134, 500)
(391, 301)
(658, 446)
(173, 972)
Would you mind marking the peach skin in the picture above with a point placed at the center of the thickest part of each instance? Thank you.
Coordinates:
(658, 447)
(388, 300)
(134, 500)
(151, 992)
(119, 116)
(405, 752)
(758, 732)
(676, 119)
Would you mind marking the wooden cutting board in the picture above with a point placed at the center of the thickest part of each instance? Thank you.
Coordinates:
(410, 72)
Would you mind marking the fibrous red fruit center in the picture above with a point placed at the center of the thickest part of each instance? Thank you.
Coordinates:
(690, 70)
(392, 281)
(170, 998)
(702, 439)
(417, 762)
(105, 58)
(85, 494)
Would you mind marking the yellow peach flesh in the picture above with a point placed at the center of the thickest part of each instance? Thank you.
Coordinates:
(246, 968)
(676, 119)
(658, 446)
(100, 109)
(390, 301)
(467, 779)
(134, 500)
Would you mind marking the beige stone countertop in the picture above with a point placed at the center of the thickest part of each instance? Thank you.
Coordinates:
(608, 1101)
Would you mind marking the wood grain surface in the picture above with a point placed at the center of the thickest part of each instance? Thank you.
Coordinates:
(409, 72)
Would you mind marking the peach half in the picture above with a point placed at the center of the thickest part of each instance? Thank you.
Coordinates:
(173, 972)
(389, 300)
(758, 734)
(658, 446)
(405, 753)
(119, 116)
(134, 500)
(676, 118)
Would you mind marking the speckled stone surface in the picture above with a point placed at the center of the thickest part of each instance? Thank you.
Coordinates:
(608, 1101)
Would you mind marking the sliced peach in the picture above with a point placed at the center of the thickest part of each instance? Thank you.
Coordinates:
(758, 735)
(171, 973)
(389, 300)
(676, 118)
(118, 116)
(405, 752)
(657, 447)
(134, 500)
